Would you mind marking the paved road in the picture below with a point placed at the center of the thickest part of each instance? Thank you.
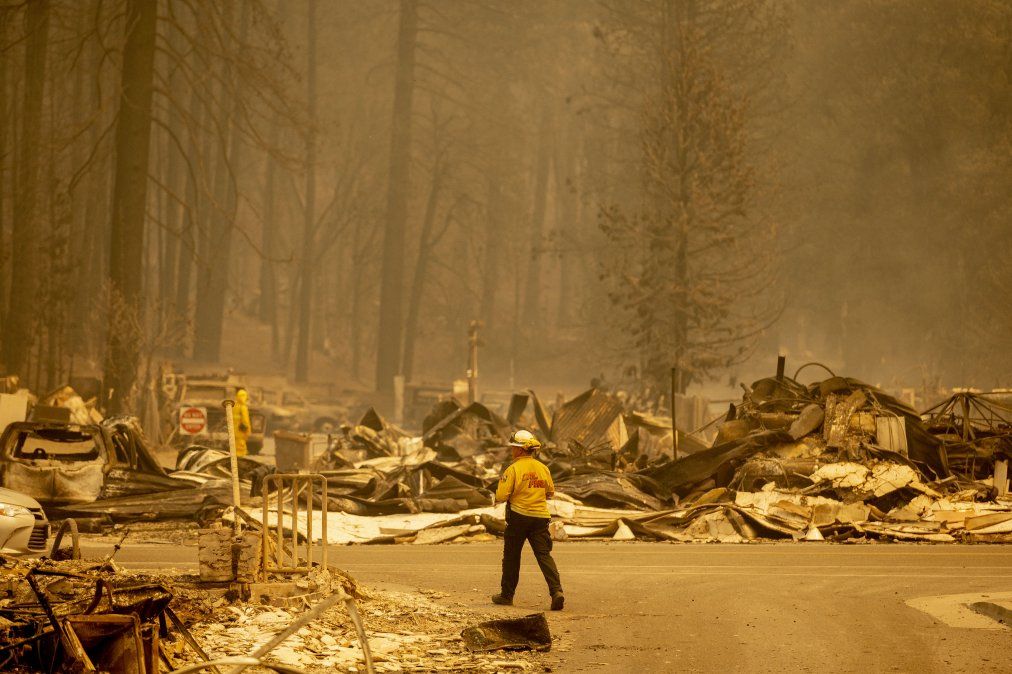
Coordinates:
(759, 608)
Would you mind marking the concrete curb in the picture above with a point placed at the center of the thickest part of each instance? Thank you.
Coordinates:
(1002, 614)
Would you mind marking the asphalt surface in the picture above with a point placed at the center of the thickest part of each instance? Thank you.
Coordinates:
(640, 607)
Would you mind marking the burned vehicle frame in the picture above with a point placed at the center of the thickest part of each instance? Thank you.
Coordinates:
(63, 464)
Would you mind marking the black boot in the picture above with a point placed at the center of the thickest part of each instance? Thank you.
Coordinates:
(558, 601)
(501, 600)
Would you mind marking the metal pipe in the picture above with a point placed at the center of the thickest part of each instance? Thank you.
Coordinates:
(309, 523)
(295, 522)
(280, 551)
(325, 542)
(69, 524)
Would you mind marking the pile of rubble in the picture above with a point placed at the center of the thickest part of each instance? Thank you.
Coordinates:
(835, 460)
(81, 615)
(838, 460)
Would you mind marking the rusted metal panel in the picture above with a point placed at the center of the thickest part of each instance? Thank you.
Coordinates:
(591, 419)
(107, 643)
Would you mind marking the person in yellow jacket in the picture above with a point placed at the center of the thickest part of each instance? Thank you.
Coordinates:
(240, 420)
(525, 486)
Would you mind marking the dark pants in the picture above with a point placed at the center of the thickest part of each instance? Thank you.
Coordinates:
(520, 528)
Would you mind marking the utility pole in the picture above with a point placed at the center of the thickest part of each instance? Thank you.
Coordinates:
(676, 386)
(472, 361)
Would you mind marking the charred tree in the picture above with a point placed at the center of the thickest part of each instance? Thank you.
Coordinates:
(388, 338)
(532, 291)
(690, 269)
(172, 217)
(129, 202)
(215, 264)
(6, 120)
(309, 213)
(425, 246)
(492, 261)
(26, 223)
(268, 307)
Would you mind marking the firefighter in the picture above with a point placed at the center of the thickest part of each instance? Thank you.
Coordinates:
(240, 421)
(525, 486)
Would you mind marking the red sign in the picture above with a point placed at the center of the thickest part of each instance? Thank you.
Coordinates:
(192, 420)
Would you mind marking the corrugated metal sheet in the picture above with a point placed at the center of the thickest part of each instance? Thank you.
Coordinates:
(593, 419)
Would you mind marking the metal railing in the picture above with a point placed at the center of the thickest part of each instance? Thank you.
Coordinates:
(278, 557)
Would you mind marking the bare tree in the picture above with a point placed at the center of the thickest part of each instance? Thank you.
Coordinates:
(310, 224)
(691, 268)
(388, 345)
(26, 223)
(130, 191)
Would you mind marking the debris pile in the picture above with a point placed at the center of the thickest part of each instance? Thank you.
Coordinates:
(407, 632)
(835, 460)
(91, 615)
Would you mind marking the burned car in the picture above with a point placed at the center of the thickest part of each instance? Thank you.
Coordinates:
(199, 418)
(295, 411)
(23, 524)
(63, 464)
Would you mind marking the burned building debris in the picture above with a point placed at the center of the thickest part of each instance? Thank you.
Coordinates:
(91, 615)
(836, 459)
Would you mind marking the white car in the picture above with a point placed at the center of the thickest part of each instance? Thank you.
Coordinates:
(23, 525)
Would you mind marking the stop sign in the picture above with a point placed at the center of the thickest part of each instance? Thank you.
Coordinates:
(192, 420)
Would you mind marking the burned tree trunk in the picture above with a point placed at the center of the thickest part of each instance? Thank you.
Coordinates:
(388, 338)
(268, 308)
(490, 281)
(532, 291)
(358, 255)
(129, 202)
(20, 319)
(309, 223)
(215, 265)
(192, 216)
(5, 118)
(425, 244)
(172, 218)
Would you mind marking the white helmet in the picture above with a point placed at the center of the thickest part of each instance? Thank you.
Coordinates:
(524, 439)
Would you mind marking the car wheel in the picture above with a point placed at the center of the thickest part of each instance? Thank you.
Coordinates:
(325, 425)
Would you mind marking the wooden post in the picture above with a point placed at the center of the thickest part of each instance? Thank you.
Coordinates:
(964, 399)
(1001, 477)
(472, 365)
(781, 363)
(399, 399)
